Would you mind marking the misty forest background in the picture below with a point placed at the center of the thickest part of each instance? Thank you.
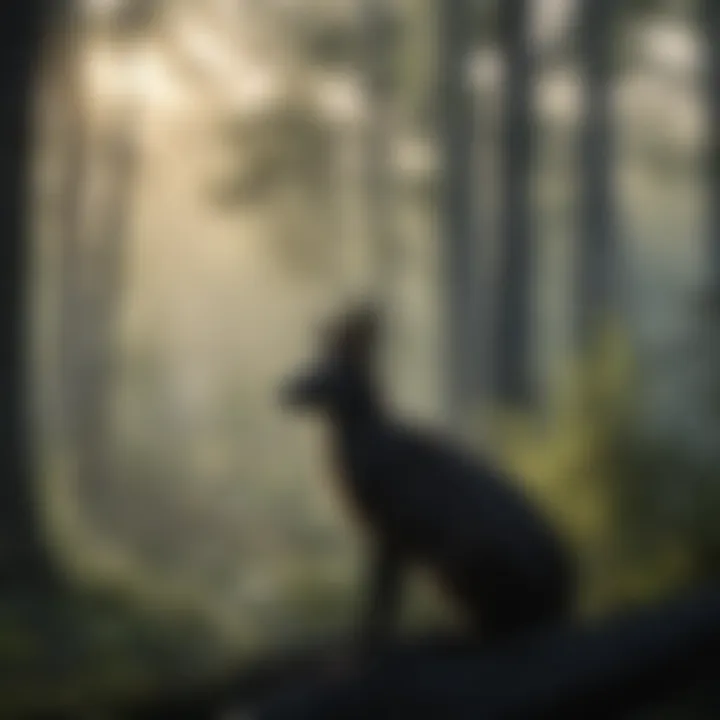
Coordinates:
(531, 190)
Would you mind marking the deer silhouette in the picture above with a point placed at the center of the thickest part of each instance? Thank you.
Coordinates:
(424, 501)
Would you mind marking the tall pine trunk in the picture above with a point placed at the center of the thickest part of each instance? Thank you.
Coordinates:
(378, 168)
(71, 228)
(23, 556)
(711, 26)
(91, 271)
(597, 249)
(457, 206)
(514, 363)
(101, 294)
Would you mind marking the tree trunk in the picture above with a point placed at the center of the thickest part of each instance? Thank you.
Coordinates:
(22, 552)
(378, 168)
(379, 182)
(711, 25)
(71, 228)
(91, 264)
(597, 250)
(101, 299)
(457, 206)
(514, 362)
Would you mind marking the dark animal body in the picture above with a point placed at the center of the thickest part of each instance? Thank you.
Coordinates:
(425, 501)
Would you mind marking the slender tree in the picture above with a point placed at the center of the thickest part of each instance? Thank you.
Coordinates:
(711, 25)
(22, 552)
(96, 286)
(65, 60)
(513, 360)
(418, 59)
(90, 255)
(378, 24)
(101, 296)
(597, 244)
(457, 202)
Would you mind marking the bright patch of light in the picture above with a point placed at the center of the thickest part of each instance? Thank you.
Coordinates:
(672, 45)
(204, 47)
(112, 76)
(341, 98)
(151, 77)
(560, 96)
(257, 88)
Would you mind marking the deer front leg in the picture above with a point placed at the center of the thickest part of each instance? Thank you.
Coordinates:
(379, 615)
(385, 582)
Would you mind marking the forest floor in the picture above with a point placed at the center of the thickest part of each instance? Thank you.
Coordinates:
(74, 650)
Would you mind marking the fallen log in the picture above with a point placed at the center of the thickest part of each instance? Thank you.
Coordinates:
(624, 663)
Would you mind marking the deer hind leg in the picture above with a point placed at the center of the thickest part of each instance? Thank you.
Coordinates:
(499, 608)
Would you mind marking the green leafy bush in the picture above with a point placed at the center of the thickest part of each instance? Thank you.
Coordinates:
(639, 508)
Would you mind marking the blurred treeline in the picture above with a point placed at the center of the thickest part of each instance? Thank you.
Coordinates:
(526, 187)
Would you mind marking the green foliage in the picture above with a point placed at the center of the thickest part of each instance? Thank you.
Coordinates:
(637, 509)
(286, 142)
(282, 167)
